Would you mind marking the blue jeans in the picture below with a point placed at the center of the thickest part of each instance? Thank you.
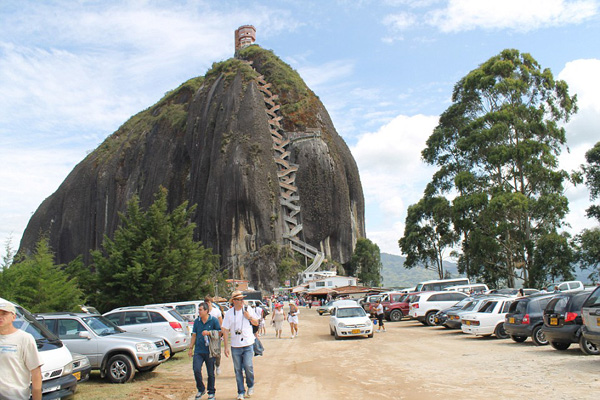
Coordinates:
(242, 362)
(199, 359)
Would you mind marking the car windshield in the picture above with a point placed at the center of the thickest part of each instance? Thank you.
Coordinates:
(186, 309)
(463, 302)
(350, 312)
(101, 326)
(469, 306)
(26, 322)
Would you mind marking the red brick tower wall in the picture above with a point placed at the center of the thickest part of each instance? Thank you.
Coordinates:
(245, 35)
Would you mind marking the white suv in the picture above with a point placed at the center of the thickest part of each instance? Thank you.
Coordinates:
(426, 304)
(163, 322)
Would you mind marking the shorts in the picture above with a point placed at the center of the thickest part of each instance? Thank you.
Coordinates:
(380, 319)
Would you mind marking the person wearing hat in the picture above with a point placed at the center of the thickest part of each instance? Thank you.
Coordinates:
(238, 321)
(19, 359)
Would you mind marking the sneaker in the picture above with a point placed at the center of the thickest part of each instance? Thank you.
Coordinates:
(250, 391)
(200, 394)
(240, 396)
(218, 371)
(211, 396)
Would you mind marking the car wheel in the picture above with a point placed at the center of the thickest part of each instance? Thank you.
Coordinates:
(370, 335)
(500, 332)
(120, 369)
(330, 331)
(539, 337)
(587, 347)
(518, 339)
(560, 345)
(147, 369)
(337, 337)
(396, 315)
(430, 318)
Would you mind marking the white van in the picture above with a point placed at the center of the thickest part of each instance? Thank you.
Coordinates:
(58, 381)
(187, 309)
(475, 288)
(440, 284)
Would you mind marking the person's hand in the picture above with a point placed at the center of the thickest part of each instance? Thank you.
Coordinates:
(190, 352)
(226, 351)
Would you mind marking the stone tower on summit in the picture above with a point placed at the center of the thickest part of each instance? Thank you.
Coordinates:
(245, 35)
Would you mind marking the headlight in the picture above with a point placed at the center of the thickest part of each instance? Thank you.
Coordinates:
(144, 347)
(68, 369)
(84, 362)
(341, 325)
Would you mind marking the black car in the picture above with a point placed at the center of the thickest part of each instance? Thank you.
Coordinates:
(562, 322)
(525, 318)
(441, 316)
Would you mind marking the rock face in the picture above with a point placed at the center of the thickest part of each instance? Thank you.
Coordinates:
(208, 142)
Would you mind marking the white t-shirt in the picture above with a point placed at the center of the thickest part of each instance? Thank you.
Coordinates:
(258, 311)
(235, 321)
(18, 356)
(379, 309)
(215, 312)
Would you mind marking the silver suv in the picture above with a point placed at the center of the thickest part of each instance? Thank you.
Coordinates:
(116, 353)
(162, 322)
(591, 318)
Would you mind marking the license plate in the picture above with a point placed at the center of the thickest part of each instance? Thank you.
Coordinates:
(167, 354)
(553, 321)
(436, 320)
(468, 322)
(511, 320)
(598, 321)
(77, 375)
(355, 331)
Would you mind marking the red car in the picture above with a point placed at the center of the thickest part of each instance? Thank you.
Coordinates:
(395, 311)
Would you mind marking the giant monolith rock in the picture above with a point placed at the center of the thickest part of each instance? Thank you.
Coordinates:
(210, 142)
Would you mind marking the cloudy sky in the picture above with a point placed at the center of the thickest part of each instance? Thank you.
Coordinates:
(71, 72)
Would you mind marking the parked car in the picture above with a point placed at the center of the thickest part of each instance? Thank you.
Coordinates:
(426, 304)
(395, 311)
(474, 304)
(591, 318)
(81, 367)
(562, 322)
(566, 287)
(163, 322)
(525, 318)
(441, 316)
(489, 320)
(473, 288)
(368, 302)
(116, 353)
(57, 362)
(349, 320)
(513, 291)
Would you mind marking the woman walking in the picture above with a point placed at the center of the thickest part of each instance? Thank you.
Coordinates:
(278, 318)
(293, 318)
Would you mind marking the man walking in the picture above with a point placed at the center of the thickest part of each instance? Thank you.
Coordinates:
(238, 322)
(19, 359)
(201, 331)
(215, 311)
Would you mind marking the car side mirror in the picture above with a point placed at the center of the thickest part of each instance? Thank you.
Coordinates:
(85, 335)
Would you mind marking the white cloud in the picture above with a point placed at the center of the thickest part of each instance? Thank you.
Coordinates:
(518, 15)
(393, 175)
(400, 21)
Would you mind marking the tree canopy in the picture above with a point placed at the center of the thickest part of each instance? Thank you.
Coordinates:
(497, 149)
(366, 262)
(152, 258)
(39, 285)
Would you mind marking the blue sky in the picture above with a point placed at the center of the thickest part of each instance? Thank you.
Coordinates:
(71, 72)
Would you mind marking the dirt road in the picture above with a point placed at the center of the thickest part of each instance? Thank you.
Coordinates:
(409, 361)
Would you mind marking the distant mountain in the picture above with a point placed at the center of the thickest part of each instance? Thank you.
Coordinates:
(395, 275)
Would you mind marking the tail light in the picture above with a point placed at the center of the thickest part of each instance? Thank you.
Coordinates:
(525, 319)
(415, 305)
(176, 326)
(570, 316)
